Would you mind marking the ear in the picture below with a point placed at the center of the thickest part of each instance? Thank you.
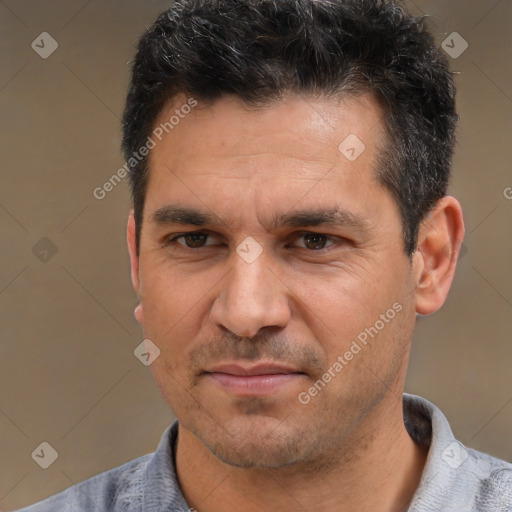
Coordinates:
(439, 242)
(134, 261)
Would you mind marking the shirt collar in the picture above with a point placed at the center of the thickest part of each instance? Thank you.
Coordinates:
(425, 423)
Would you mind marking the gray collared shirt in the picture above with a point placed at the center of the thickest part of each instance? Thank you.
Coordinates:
(455, 478)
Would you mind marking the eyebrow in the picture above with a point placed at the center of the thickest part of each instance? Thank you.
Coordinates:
(331, 217)
(169, 214)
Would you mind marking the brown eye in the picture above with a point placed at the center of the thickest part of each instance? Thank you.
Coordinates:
(315, 241)
(194, 240)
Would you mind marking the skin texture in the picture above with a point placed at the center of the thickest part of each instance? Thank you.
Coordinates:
(301, 303)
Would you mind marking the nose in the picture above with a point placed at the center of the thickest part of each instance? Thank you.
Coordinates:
(252, 297)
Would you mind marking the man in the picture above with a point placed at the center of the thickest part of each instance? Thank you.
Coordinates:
(289, 166)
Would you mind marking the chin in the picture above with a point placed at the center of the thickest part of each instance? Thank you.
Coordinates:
(255, 442)
(262, 454)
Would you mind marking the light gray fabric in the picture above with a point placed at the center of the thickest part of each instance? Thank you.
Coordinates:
(455, 478)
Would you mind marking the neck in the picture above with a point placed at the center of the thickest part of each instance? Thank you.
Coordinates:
(379, 467)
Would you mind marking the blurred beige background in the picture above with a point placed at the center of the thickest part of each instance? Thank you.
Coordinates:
(68, 374)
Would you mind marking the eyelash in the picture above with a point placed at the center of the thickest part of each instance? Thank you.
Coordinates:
(172, 240)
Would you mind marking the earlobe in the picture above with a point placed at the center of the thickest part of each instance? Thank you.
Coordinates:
(139, 314)
(439, 242)
(134, 264)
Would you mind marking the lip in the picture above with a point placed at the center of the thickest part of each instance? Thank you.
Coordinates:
(258, 369)
(253, 380)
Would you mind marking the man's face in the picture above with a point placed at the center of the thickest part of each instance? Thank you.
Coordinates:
(247, 326)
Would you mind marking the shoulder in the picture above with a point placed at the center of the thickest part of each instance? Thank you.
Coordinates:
(113, 490)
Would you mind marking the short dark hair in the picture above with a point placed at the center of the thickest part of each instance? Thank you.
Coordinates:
(260, 50)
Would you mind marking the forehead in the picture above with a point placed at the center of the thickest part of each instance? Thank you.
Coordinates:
(228, 153)
(230, 127)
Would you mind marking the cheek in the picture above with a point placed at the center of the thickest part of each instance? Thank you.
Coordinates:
(171, 313)
(167, 294)
(340, 310)
(338, 299)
